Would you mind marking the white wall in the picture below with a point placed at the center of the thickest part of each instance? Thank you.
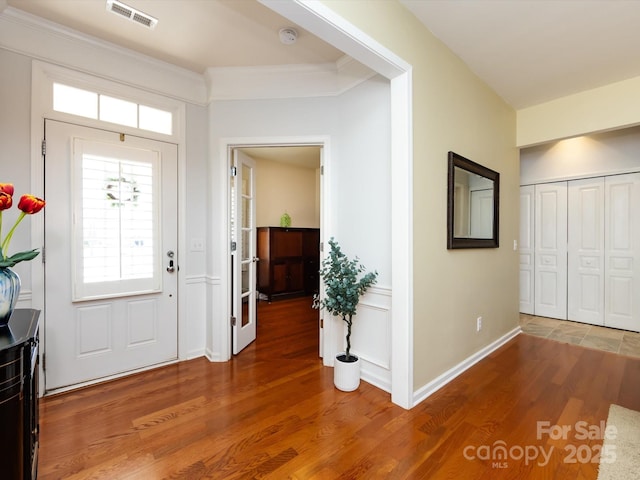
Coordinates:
(588, 156)
(195, 263)
(605, 108)
(362, 172)
(15, 154)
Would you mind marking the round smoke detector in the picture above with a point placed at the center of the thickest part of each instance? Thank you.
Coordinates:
(288, 35)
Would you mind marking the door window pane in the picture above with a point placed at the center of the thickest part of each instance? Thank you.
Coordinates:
(75, 101)
(118, 220)
(118, 111)
(155, 120)
(117, 223)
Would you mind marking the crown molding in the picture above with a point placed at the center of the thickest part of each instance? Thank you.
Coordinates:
(285, 81)
(30, 35)
(41, 39)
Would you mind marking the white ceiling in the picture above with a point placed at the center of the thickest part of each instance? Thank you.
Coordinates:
(529, 51)
(194, 34)
(532, 51)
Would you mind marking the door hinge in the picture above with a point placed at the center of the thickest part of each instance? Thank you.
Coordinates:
(44, 147)
(322, 323)
(234, 171)
(234, 246)
(322, 246)
(44, 362)
(44, 255)
(233, 321)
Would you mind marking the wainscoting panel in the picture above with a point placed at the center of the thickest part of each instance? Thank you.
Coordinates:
(371, 337)
(196, 315)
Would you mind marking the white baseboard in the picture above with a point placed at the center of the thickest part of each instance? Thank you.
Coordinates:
(376, 380)
(200, 352)
(439, 382)
(214, 356)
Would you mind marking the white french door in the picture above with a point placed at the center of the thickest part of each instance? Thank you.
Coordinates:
(111, 254)
(243, 238)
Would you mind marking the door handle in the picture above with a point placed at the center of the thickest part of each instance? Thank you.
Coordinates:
(171, 268)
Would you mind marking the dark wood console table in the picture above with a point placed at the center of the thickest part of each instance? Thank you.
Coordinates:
(19, 396)
(289, 261)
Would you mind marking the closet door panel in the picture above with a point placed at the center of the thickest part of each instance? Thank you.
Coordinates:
(551, 250)
(527, 280)
(585, 257)
(622, 256)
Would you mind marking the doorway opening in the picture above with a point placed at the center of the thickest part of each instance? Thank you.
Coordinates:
(275, 218)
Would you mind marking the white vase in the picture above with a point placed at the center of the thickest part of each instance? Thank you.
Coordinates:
(346, 375)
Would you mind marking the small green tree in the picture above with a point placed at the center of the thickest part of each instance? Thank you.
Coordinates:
(342, 287)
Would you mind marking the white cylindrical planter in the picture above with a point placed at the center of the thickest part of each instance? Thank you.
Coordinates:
(346, 375)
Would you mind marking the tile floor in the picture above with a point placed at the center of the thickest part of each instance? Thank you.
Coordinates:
(591, 336)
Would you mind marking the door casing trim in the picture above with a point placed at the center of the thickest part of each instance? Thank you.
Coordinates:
(222, 328)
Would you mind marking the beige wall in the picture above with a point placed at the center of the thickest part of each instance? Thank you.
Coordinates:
(452, 110)
(610, 107)
(282, 187)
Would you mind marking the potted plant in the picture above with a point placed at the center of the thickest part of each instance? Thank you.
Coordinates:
(345, 281)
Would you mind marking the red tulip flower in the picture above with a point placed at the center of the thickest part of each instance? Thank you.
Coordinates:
(6, 188)
(28, 205)
(6, 201)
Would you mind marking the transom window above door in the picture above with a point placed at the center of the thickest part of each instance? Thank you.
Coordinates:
(97, 106)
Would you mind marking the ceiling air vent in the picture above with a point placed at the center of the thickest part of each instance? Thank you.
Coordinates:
(131, 14)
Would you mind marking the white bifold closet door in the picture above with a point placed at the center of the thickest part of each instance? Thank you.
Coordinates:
(527, 280)
(622, 251)
(586, 250)
(551, 250)
(585, 254)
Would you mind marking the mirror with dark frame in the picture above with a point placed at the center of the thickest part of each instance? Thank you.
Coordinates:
(472, 204)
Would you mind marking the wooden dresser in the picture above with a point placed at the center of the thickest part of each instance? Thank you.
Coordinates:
(289, 261)
(19, 396)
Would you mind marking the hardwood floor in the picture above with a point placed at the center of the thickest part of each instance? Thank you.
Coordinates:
(273, 413)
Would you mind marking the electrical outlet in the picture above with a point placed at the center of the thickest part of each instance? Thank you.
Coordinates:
(478, 324)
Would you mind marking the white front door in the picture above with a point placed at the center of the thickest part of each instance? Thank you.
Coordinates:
(622, 254)
(111, 254)
(243, 252)
(551, 250)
